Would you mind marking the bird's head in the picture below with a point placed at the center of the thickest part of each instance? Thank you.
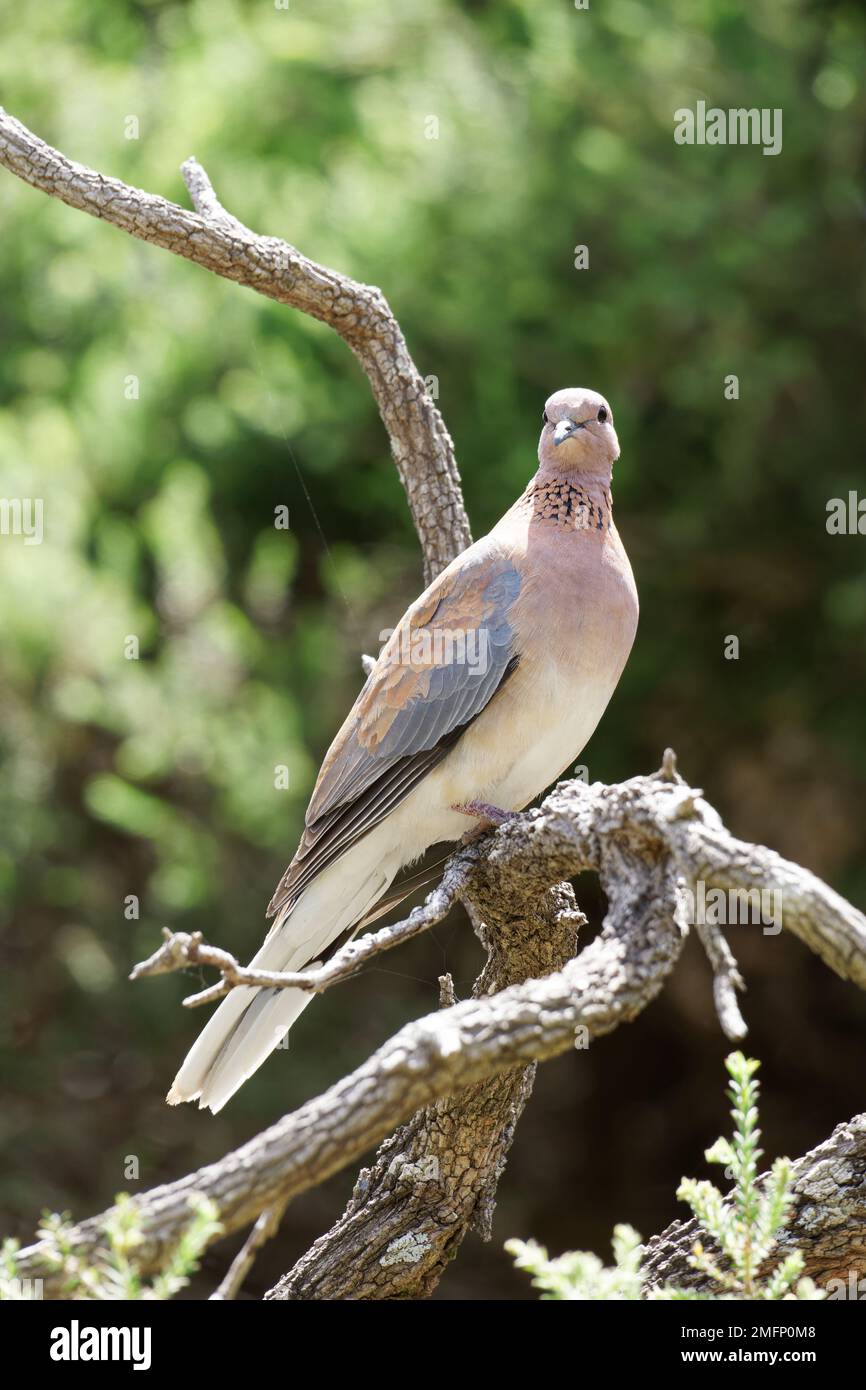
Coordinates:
(578, 434)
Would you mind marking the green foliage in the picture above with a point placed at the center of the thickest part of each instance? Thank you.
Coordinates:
(580, 1274)
(745, 1227)
(111, 1271)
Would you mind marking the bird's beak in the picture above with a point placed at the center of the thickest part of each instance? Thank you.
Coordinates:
(564, 430)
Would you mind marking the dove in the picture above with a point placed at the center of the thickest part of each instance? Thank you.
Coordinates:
(486, 691)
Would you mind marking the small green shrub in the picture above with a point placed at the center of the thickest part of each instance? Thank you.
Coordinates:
(111, 1271)
(745, 1228)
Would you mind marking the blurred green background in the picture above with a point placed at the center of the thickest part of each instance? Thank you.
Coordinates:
(155, 777)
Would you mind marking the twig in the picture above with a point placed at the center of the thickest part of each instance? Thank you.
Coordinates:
(205, 200)
(726, 980)
(180, 950)
(265, 1226)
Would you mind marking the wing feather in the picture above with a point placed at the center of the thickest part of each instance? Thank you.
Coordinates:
(443, 664)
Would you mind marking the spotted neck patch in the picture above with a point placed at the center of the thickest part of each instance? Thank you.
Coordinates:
(571, 506)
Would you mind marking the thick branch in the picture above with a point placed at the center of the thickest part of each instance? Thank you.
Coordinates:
(436, 1178)
(643, 837)
(213, 239)
(428, 1059)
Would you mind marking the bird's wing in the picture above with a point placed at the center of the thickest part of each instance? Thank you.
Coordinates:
(450, 654)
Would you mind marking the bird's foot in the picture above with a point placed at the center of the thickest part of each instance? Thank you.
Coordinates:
(484, 812)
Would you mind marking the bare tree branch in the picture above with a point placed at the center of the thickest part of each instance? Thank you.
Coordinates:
(264, 1228)
(436, 1178)
(213, 239)
(643, 837)
(726, 981)
(205, 200)
(180, 950)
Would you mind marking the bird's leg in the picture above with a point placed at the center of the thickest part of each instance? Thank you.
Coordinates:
(487, 814)
(476, 833)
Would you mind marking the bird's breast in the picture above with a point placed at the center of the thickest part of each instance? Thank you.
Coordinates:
(574, 623)
(574, 626)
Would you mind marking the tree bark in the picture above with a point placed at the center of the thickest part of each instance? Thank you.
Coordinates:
(642, 837)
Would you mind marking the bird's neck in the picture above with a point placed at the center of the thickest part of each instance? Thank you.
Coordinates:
(576, 501)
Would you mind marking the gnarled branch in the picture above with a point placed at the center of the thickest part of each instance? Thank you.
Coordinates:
(212, 238)
(643, 837)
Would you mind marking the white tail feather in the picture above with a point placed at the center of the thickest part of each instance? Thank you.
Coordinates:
(251, 1022)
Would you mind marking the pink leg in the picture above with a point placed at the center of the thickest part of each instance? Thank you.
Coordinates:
(482, 810)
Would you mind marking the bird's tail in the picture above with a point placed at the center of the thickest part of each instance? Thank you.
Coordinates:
(250, 1022)
(243, 1032)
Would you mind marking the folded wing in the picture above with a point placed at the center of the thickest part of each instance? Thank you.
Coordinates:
(442, 665)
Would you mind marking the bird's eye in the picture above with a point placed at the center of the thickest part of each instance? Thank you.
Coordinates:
(602, 414)
(544, 417)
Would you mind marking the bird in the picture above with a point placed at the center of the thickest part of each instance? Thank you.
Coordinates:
(484, 694)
